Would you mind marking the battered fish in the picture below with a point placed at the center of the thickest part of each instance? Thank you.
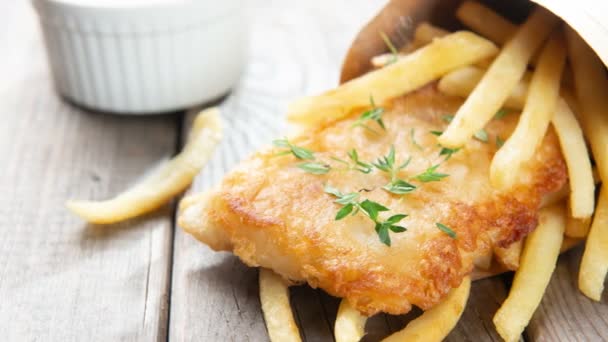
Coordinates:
(273, 214)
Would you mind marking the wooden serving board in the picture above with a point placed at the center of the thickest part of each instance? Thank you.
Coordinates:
(145, 280)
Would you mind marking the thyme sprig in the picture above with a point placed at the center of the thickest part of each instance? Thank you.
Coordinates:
(314, 167)
(355, 163)
(501, 114)
(480, 135)
(430, 175)
(372, 114)
(298, 152)
(391, 47)
(351, 205)
(387, 164)
(413, 139)
(499, 141)
(446, 229)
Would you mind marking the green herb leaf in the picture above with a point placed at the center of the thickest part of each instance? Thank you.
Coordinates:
(413, 138)
(429, 175)
(382, 228)
(387, 162)
(282, 153)
(445, 151)
(342, 198)
(372, 209)
(447, 118)
(342, 213)
(501, 114)
(391, 47)
(395, 218)
(315, 168)
(448, 152)
(399, 187)
(397, 229)
(481, 135)
(302, 153)
(298, 152)
(391, 155)
(359, 165)
(339, 160)
(382, 231)
(353, 155)
(281, 143)
(446, 229)
(405, 164)
(332, 191)
(373, 114)
(499, 141)
(348, 198)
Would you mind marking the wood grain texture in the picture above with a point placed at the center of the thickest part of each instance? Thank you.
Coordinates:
(565, 314)
(61, 280)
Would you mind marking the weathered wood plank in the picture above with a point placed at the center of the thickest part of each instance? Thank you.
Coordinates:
(61, 280)
(565, 314)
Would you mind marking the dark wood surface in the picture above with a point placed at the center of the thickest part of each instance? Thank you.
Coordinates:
(143, 280)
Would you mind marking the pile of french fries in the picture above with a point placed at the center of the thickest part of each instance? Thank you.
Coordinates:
(541, 68)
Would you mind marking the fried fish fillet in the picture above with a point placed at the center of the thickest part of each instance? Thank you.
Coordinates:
(272, 214)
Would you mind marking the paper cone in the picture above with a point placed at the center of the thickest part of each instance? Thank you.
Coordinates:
(399, 18)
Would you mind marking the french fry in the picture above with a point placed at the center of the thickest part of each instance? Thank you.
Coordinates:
(594, 264)
(417, 69)
(591, 87)
(574, 149)
(493, 26)
(461, 82)
(537, 263)
(535, 118)
(435, 324)
(509, 256)
(486, 22)
(582, 197)
(498, 268)
(350, 324)
(274, 296)
(162, 185)
(500, 79)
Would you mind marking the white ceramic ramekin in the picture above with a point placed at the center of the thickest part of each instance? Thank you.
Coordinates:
(143, 56)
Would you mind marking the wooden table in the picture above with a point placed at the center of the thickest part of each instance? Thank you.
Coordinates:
(63, 280)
